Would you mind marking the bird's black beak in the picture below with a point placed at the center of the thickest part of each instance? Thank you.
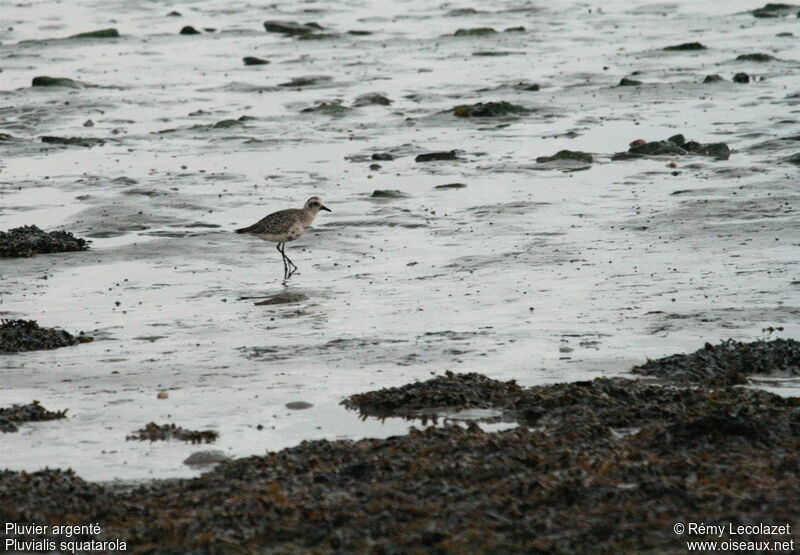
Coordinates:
(325, 208)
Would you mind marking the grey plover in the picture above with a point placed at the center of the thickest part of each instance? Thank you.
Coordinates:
(284, 226)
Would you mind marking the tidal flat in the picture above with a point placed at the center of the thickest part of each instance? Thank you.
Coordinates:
(450, 247)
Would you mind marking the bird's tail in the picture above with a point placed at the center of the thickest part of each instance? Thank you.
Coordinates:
(242, 230)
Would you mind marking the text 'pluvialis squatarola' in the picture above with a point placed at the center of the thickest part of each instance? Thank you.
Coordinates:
(284, 226)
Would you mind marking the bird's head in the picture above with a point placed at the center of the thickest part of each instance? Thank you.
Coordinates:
(315, 204)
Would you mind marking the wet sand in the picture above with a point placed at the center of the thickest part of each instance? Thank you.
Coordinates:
(539, 272)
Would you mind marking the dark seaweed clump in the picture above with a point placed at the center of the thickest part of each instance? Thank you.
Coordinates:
(728, 363)
(566, 156)
(730, 455)
(447, 391)
(32, 412)
(26, 335)
(29, 240)
(164, 432)
(677, 144)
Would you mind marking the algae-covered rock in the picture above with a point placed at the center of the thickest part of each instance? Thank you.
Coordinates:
(567, 155)
(87, 142)
(625, 82)
(307, 81)
(45, 81)
(434, 156)
(488, 110)
(99, 34)
(26, 335)
(713, 79)
(29, 240)
(774, 10)
(369, 99)
(756, 57)
(388, 194)
(686, 46)
(328, 108)
(741, 77)
(475, 32)
(189, 30)
(291, 28)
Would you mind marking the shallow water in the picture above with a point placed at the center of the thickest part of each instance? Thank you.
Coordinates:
(539, 275)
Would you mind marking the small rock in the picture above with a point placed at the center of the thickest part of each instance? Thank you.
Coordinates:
(388, 193)
(306, 81)
(434, 156)
(88, 123)
(451, 186)
(793, 159)
(625, 82)
(774, 10)
(685, 46)
(253, 61)
(741, 77)
(488, 110)
(713, 79)
(518, 29)
(173, 13)
(189, 30)
(87, 142)
(162, 395)
(101, 34)
(298, 405)
(382, 156)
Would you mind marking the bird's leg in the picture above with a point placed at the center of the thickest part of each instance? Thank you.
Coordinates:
(283, 256)
(292, 268)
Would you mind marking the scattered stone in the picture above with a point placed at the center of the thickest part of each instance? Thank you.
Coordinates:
(375, 167)
(382, 156)
(359, 32)
(488, 110)
(774, 10)
(569, 155)
(685, 46)
(189, 30)
(729, 363)
(306, 81)
(523, 86)
(228, 123)
(44, 81)
(460, 12)
(291, 28)
(370, 99)
(434, 156)
(17, 336)
(87, 142)
(475, 32)
(283, 298)
(328, 108)
(101, 34)
(298, 405)
(29, 240)
(713, 79)
(518, 29)
(162, 395)
(174, 13)
(625, 82)
(206, 458)
(165, 432)
(451, 186)
(755, 57)
(741, 77)
(388, 193)
(88, 123)
(32, 412)
(253, 61)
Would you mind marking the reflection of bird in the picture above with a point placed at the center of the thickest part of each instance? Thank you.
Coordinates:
(284, 226)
